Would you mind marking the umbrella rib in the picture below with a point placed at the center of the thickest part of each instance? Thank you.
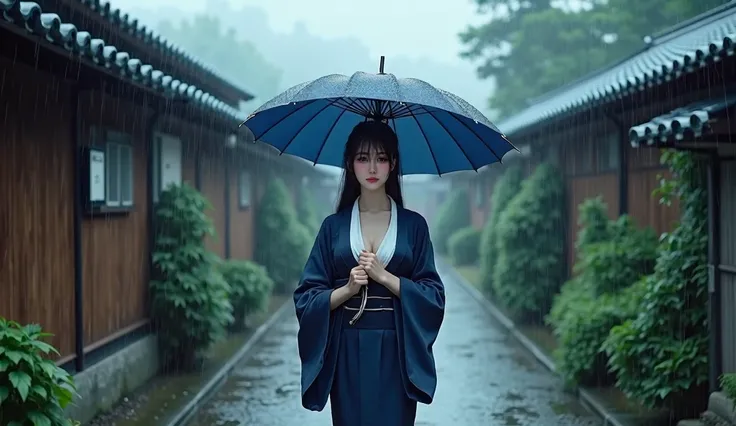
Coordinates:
(439, 173)
(298, 108)
(306, 123)
(477, 136)
(327, 136)
(475, 169)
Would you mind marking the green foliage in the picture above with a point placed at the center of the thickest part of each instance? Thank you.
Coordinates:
(505, 189)
(611, 256)
(453, 215)
(728, 384)
(531, 237)
(250, 288)
(581, 322)
(620, 261)
(307, 212)
(236, 59)
(190, 301)
(661, 356)
(594, 223)
(533, 48)
(282, 242)
(33, 390)
(463, 246)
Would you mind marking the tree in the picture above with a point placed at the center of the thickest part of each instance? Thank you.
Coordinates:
(533, 47)
(237, 60)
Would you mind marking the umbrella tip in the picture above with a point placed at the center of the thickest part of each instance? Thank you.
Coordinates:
(380, 66)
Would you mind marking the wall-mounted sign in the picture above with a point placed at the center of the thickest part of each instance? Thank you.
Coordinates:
(96, 176)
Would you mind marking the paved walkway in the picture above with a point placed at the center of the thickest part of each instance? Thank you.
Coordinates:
(485, 378)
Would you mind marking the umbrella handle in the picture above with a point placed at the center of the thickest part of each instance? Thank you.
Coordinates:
(363, 301)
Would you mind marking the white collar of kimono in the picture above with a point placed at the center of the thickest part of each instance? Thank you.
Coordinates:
(388, 244)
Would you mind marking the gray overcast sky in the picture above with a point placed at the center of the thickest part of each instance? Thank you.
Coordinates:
(412, 28)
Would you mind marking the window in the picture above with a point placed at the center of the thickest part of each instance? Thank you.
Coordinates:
(119, 173)
(244, 189)
(608, 153)
(167, 159)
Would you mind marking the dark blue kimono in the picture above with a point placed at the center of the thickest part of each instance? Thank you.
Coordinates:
(374, 371)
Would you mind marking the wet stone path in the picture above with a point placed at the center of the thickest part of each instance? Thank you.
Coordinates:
(485, 378)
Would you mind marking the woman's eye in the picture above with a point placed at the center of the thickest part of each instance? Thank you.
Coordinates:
(383, 159)
(362, 158)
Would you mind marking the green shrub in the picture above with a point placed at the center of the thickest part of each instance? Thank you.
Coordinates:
(728, 384)
(189, 299)
(250, 288)
(595, 226)
(453, 215)
(583, 327)
(463, 246)
(620, 261)
(531, 264)
(611, 256)
(307, 212)
(660, 357)
(33, 390)
(505, 189)
(282, 242)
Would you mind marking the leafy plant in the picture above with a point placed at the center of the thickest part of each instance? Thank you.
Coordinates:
(583, 327)
(595, 226)
(661, 356)
(620, 261)
(531, 265)
(728, 384)
(282, 242)
(505, 189)
(33, 390)
(453, 215)
(307, 212)
(190, 301)
(464, 246)
(250, 288)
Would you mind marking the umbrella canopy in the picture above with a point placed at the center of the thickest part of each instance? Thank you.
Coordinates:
(438, 131)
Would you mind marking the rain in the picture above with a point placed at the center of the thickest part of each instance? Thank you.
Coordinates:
(178, 193)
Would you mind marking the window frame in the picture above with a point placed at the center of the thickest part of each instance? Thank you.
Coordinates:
(245, 204)
(111, 141)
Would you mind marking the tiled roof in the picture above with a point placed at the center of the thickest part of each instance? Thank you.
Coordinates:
(686, 123)
(29, 16)
(685, 48)
(130, 25)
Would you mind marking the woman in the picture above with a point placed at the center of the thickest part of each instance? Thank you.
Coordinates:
(370, 302)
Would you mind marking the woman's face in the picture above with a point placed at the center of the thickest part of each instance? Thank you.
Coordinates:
(372, 167)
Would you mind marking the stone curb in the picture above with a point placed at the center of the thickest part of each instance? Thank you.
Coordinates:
(214, 384)
(585, 398)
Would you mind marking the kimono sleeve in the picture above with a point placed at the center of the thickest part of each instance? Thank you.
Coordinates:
(312, 302)
(422, 313)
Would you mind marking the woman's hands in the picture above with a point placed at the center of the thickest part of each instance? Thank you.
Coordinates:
(372, 267)
(375, 270)
(358, 278)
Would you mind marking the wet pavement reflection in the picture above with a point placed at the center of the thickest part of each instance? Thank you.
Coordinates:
(485, 378)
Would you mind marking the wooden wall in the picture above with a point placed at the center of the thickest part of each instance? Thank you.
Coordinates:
(115, 247)
(36, 203)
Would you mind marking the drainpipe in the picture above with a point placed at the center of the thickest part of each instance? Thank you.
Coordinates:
(623, 164)
(715, 353)
(78, 210)
(227, 166)
(151, 126)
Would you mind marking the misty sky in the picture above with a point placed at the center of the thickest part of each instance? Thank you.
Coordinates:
(419, 38)
(411, 28)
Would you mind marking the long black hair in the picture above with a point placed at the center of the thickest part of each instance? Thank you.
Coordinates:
(370, 134)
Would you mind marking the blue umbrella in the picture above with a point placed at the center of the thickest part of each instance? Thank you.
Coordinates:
(438, 131)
